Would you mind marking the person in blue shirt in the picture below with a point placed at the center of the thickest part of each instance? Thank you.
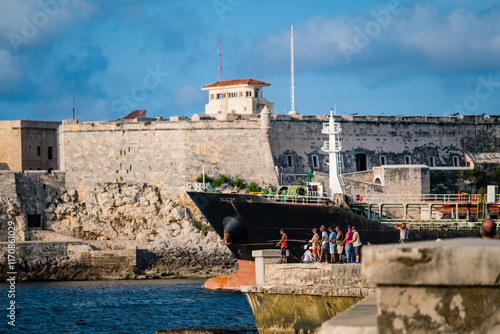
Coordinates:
(333, 244)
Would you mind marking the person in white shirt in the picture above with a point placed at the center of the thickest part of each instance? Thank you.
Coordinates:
(356, 242)
(307, 257)
(324, 244)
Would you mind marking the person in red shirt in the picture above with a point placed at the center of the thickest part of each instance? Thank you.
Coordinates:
(283, 243)
(349, 249)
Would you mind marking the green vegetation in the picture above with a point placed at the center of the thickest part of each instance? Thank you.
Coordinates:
(480, 179)
(221, 180)
(159, 197)
(203, 228)
(254, 188)
(238, 183)
(470, 181)
(208, 179)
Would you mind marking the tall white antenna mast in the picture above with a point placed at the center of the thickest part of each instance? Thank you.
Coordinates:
(292, 77)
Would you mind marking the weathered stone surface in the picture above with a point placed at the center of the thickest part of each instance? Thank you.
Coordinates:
(359, 319)
(452, 309)
(295, 313)
(457, 262)
(165, 154)
(318, 275)
(300, 297)
(112, 218)
(451, 286)
(83, 260)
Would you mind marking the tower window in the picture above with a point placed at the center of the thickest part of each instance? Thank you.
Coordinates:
(315, 161)
(432, 162)
(360, 162)
(39, 150)
(289, 160)
(50, 153)
(383, 160)
(456, 161)
(407, 160)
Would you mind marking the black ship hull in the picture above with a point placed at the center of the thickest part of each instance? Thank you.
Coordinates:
(252, 222)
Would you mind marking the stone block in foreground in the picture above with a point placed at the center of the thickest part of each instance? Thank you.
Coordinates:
(452, 286)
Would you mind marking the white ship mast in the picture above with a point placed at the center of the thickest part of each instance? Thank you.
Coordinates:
(333, 148)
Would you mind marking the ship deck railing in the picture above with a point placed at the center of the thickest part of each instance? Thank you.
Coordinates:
(423, 198)
(431, 207)
(456, 211)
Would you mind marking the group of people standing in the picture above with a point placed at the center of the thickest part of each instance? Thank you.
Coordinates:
(334, 243)
(348, 248)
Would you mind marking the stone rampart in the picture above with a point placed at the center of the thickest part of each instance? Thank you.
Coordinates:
(8, 184)
(392, 137)
(163, 153)
(167, 153)
(118, 258)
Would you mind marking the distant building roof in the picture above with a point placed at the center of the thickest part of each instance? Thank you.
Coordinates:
(136, 114)
(484, 158)
(235, 82)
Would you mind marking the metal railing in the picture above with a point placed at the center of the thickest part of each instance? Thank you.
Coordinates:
(197, 186)
(297, 199)
(418, 198)
(328, 129)
(326, 146)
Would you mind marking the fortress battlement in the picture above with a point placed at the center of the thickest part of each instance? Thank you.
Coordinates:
(467, 119)
(174, 123)
(232, 121)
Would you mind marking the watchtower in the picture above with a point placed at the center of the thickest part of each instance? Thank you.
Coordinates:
(238, 96)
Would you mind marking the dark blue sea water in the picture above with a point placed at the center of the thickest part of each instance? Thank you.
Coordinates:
(121, 307)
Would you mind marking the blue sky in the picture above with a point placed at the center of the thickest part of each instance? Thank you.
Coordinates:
(403, 57)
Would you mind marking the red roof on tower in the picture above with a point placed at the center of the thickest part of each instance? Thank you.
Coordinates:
(135, 114)
(235, 82)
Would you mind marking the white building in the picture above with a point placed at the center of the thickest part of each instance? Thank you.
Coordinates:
(238, 96)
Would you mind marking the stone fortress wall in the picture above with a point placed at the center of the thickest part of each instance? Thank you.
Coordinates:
(168, 153)
(393, 137)
(28, 145)
(163, 153)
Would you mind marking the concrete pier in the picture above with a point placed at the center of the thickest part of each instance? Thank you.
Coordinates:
(300, 297)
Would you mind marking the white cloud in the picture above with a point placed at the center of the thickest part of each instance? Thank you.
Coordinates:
(189, 95)
(31, 24)
(421, 38)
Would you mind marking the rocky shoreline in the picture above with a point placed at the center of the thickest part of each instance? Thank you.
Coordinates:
(117, 231)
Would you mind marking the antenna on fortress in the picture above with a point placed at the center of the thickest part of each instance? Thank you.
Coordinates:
(220, 61)
(292, 77)
(73, 99)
